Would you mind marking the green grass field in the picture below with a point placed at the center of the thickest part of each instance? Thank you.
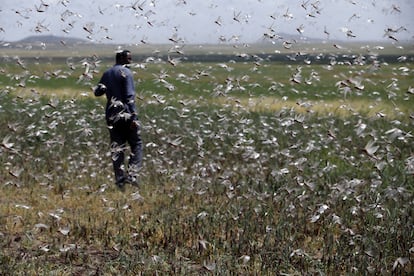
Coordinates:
(252, 167)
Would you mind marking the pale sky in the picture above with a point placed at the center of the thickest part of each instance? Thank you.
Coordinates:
(207, 21)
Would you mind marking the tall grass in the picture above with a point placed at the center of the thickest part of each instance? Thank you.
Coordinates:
(228, 186)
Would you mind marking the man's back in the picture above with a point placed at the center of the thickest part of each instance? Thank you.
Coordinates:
(119, 90)
(116, 81)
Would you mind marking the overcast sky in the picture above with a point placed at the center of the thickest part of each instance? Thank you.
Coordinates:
(211, 21)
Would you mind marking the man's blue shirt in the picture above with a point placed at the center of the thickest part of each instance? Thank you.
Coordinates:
(119, 89)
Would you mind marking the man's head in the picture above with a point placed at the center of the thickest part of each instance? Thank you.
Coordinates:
(123, 57)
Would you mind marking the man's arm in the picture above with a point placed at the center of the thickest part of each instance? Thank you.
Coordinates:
(101, 88)
(130, 95)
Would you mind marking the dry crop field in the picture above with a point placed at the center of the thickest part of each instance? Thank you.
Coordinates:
(251, 166)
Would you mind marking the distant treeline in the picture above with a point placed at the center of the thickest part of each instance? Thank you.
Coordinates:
(223, 58)
(281, 58)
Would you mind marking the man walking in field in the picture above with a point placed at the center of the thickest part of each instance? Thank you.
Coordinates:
(117, 84)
